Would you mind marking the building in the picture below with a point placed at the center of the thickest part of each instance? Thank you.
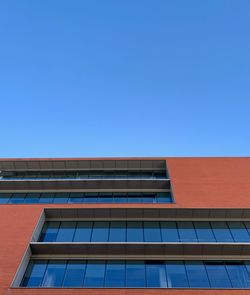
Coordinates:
(125, 226)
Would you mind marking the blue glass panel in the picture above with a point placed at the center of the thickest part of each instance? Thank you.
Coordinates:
(148, 198)
(156, 274)
(34, 273)
(197, 275)
(176, 274)
(83, 231)
(4, 198)
(100, 231)
(164, 197)
(61, 198)
(94, 276)
(221, 231)
(74, 274)
(238, 231)
(54, 273)
(169, 231)
(49, 232)
(152, 231)
(186, 231)
(32, 198)
(204, 231)
(120, 198)
(91, 198)
(134, 231)
(115, 273)
(46, 198)
(76, 198)
(17, 198)
(66, 231)
(238, 274)
(106, 197)
(117, 231)
(134, 198)
(135, 274)
(217, 274)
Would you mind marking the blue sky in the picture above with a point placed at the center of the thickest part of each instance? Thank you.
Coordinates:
(124, 78)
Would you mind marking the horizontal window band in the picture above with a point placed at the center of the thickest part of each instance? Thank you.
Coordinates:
(137, 274)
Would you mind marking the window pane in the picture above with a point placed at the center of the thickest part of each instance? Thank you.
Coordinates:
(238, 274)
(115, 273)
(17, 198)
(94, 276)
(100, 231)
(54, 273)
(4, 198)
(91, 198)
(66, 231)
(49, 232)
(148, 198)
(61, 198)
(134, 198)
(117, 231)
(197, 275)
(32, 198)
(46, 198)
(238, 231)
(164, 197)
(169, 231)
(83, 231)
(34, 273)
(156, 274)
(186, 231)
(135, 274)
(120, 198)
(176, 274)
(221, 231)
(152, 231)
(204, 231)
(106, 197)
(76, 198)
(74, 274)
(134, 231)
(218, 275)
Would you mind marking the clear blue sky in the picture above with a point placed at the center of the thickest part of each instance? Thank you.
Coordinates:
(124, 78)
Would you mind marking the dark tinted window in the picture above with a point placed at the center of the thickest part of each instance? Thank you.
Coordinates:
(74, 274)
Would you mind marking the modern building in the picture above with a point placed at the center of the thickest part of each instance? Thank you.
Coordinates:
(125, 226)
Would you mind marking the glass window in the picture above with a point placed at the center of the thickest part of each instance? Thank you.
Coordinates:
(61, 198)
(117, 231)
(17, 198)
(156, 274)
(164, 197)
(221, 231)
(169, 231)
(238, 231)
(134, 231)
(197, 275)
(91, 198)
(94, 276)
(134, 198)
(176, 274)
(152, 231)
(135, 274)
(54, 273)
(217, 274)
(32, 198)
(204, 231)
(148, 198)
(34, 273)
(49, 232)
(120, 198)
(74, 274)
(106, 197)
(46, 198)
(186, 231)
(66, 231)
(4, 198)
(76, 197)
(115, 273)
(238, 274)
(83, 231)
(100, 231)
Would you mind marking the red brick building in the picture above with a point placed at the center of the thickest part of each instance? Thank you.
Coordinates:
(193, 215)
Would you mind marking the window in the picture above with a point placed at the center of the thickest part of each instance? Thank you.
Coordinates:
(137, 274)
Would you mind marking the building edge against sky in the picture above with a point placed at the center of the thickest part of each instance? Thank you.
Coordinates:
(64, 214)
